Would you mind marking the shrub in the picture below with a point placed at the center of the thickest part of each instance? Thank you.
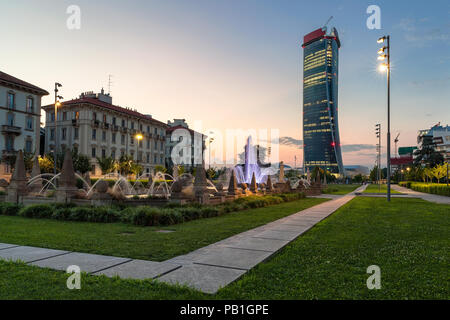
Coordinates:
(434, 188)
(146, 216)
(37, 211)
(80, 214)
(9, 209)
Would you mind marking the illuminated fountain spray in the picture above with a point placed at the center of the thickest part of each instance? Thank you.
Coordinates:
(251, 165)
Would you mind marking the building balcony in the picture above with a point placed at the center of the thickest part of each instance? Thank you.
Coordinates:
(95, 123)
(9, 153)
(115, 127)
(11, 129)
(75, 122)
(105, 125)
(124, 130)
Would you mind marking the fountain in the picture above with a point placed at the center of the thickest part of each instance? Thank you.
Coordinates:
(252, 166)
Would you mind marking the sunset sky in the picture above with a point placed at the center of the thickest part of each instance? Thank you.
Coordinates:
(237, 64)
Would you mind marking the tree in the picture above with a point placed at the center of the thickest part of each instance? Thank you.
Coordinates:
(107, 165)
(428, 172)
(125, 164)
(358, 178)
(211, 173)
(136, 169)
(46, 164)
(81, 163)
(439, 172)
(427, 154)
(160, 168)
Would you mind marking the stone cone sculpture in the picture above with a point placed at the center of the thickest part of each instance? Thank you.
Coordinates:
(253, 185)
(18, 184)
(37, 184)
(232, 187)
(67, 178)
(269, 186)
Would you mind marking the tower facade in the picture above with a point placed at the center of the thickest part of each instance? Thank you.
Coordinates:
(321, 143)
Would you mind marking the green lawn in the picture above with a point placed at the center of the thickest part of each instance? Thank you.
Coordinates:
(376, 188)
(407, 238)
(340, 188)
(123, 240)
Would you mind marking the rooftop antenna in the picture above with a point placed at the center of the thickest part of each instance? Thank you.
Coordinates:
(109, 84)
(324, 28)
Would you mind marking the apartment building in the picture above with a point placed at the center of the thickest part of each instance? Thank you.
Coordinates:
(190, 152)
(95, 127)
(20, 105)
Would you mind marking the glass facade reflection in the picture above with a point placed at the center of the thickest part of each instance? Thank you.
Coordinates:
(321, 141)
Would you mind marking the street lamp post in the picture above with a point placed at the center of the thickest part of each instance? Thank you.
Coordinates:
(378, 134)
(57, 104)
(210, 141)
(385, 53)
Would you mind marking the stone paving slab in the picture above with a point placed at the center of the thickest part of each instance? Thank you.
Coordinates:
(28, 254)
(89, 263)
(139, 269)
(7, 246)
(207, 279)
(234, 258)
(278, 235)
(270, 245)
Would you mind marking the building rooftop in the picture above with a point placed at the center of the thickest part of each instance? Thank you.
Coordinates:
(13, 81)
(92, 99)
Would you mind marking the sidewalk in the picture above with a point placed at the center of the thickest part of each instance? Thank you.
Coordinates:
(425, 196)
(206, 269)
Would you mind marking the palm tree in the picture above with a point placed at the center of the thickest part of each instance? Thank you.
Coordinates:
(107, 165)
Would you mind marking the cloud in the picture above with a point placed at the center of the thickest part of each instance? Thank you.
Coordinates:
(357, 147)
(416, 31)
(292, 142)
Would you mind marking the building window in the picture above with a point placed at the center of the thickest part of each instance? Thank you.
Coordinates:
(162, 160)
(9, 143)
(76, 115)
(30, 105)
(94, 134)
(113, 137)
(104, 118)
(11, 100)
(29, 123)
(52, 117)
(114, 121)
(28, 146)
(140, 143)
(94, 116)
(113, 154)
(132, 125)
(52, 134)
(76, 133)
(103, 153)
(103, 135)
(132, 140)
(64, 133)
(122, 139)
(93, 153)
(123, 123)
(148, 129)
(156, 130)
(10, 119)
(154, 158)
(64, 116)
(148, 144)
(140, 127)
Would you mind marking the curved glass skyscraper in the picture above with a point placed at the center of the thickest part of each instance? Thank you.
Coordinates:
(321, 141)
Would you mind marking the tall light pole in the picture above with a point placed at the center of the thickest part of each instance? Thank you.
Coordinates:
(210, 141)
(378, 134)
(57, 104)
(385, 53)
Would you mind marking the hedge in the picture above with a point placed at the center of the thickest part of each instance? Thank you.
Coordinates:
(143, 215)
(434, 188)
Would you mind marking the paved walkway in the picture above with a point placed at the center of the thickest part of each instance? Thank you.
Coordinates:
(206, 269)
(425, 196)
